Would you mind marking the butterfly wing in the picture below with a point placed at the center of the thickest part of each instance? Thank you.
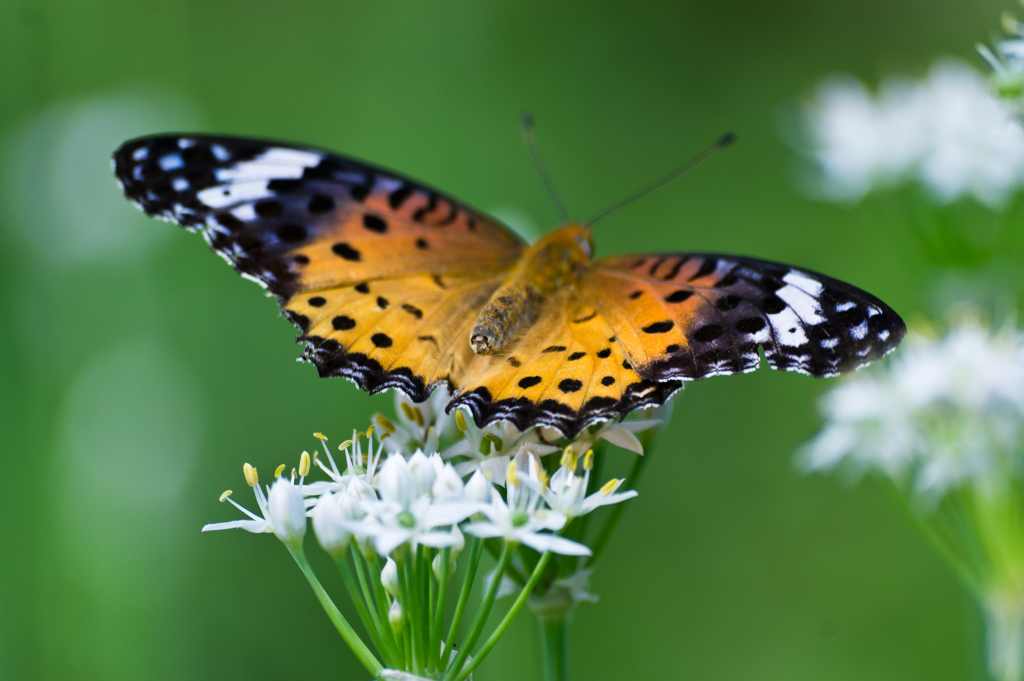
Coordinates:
(567, 371)
(638, 326)
(690, 316)
(337, 242)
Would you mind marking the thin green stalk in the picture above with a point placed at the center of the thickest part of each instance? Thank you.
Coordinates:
(362, 653)
(383, 602)
(476, 547)
(482, 612)
(371, 625)
(435, 630)
(382, 623)
(405, 582)
(554, 648)
(499, 631)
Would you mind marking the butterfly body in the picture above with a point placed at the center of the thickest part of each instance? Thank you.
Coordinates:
(394, 285)
(557, 261)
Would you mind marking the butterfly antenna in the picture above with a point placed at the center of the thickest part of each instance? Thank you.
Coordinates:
(526, 122)
(724, 141)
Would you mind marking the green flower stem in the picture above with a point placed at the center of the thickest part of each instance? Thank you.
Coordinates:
(493, 547)
(405, 560)
(499, 631)
(340, 623)
(476, 547)
(383, 605)
(554, 647)
(480, 619)
(382, 624)
(435, 630)
(371, 625)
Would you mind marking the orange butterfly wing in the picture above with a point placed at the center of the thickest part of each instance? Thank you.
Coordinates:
(311, 226)
(637, 326)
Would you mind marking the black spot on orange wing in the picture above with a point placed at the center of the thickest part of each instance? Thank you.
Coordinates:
(343, 323)
(570, 385)
(375, 224)
(577, 355)
(659, 327)
(413, 310)
(529, 382)
(608, 380)
(605, 354)
(554, 348)
(317, 301)
(381, 340)
(345, 251)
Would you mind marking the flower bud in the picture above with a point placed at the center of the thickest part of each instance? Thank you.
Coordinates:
(287, 512)
(435, 565)
(422, 471)
(396, 483)
(389, 577)
(460, 542)
(479, 489)
(361, 490)
(448, 484)
(329, 516)
(395, 616)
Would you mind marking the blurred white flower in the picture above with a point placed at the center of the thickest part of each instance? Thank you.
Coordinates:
(948, 132)
(944, 412)
(330, 514)
(490, 449)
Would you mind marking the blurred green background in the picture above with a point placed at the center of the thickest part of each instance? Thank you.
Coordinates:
(139, 372)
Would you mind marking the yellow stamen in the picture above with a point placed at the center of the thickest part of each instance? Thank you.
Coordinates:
(510, 473)
(569, 458)
(384, 423)
(490, 440)
(225, 494)
(345, 445)
(385, 436)
(320, 436)
(369, 431)
(277, 471)
(610, 486)
(304, 464)
(588, 460)
(357, 436)
(407, 410)
(460, 421)
(417, 416)
(251, 478)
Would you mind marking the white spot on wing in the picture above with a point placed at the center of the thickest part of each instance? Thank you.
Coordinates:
(858, 332)
(805, 306)
(788, 328)
(279, 156)
(883, 335)
(171, 162)
(848, 305)
(185, 143)
(219, 152)
(829, 343)
(244, 212)
(803, 282)
(140, 154)
(180, 184)
(873, 311)
(215, 197)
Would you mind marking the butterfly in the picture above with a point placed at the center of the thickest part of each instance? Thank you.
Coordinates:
(395, 285)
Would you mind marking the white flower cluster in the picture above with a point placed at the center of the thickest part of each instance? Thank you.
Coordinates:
(1007, 62)
(422, 499)
(948, 132)
(944, 412)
